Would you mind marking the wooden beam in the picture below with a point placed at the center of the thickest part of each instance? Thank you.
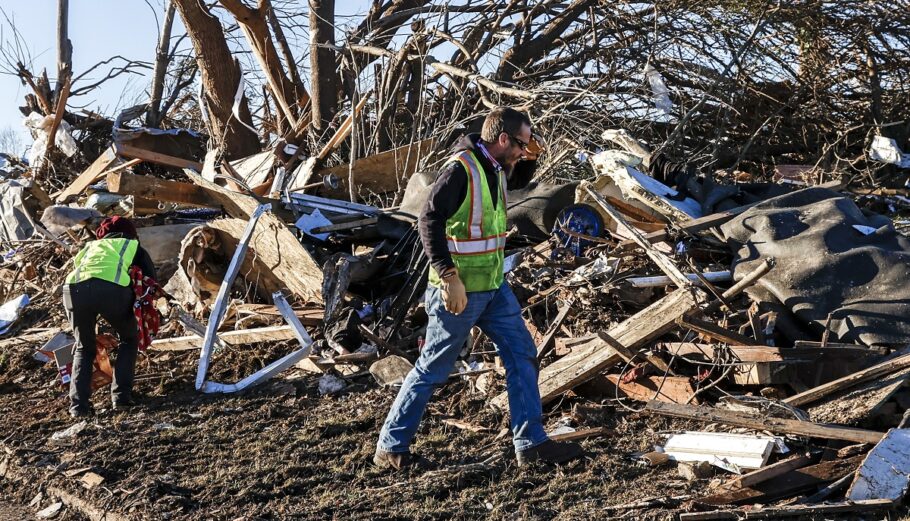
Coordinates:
(582, 434)
(714, 332)
(778, 425)
(595, 355)
(163, 190)
(876, 371)
(768, 472)
(386, 171)
(787, 484)
(243, 336)
(130, 151)
(753, 353)
(90, 175)
(663, 262)
(807, 511)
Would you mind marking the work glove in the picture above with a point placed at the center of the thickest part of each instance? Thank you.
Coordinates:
(454, 296)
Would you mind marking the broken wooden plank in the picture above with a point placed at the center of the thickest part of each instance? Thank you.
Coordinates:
(663, 262)
(582, 434)
(714, 332)
(545, 343)
(673, 389)
(595, 355)
(885, 473)
(239, 337)
(134, 152)
(853, 405)
(876, 371)
(777, 425)
(808, 511)
(754, 353)
(91, 175)
(160, 189)
(768, 472)
(387, 171)
(787, 484)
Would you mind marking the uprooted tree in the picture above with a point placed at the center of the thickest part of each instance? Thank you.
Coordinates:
(748, 85)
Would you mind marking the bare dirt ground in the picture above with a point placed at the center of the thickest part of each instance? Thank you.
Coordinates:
(283, 451)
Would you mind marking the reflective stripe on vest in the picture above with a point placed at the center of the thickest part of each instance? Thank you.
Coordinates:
(475, 220)
(105, 259)
(476, 246)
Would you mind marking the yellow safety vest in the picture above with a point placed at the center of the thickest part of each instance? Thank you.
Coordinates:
(105, 259)
(476, 234)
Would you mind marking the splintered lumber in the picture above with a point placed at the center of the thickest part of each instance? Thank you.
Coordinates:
(787, 484)
(859, 402)
(91, 175)
(130, 151)
(239, 337)
(387, 171)
(714, 331)
(160, 189)
(673, 389)
(547, 339)
(778, 425)
(846, 507)
(876, 371)
(595, 355)
(753, 353)
(768, 472)
(582, 434)
(663, 262)
(885, 473)
(272, 241)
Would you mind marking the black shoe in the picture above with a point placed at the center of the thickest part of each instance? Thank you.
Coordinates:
(80, 412)
(553, 452)
(397, 460)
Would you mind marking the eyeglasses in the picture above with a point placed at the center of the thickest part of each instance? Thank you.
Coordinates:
(523, 145)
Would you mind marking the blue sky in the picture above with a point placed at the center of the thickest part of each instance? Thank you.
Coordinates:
(98, 30)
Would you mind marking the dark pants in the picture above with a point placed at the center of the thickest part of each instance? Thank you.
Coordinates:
(84, 302)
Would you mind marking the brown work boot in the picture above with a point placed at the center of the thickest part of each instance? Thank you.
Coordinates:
(394, 460)
(553, 452)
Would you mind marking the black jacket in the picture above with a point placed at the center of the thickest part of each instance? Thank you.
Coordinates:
(447, 194)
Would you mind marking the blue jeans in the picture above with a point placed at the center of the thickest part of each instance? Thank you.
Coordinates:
(498, 315)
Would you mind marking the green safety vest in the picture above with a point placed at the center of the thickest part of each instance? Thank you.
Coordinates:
(476, 234)
(105, 259)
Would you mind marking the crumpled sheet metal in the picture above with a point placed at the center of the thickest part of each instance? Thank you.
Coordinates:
(15, 222)
(825, 265)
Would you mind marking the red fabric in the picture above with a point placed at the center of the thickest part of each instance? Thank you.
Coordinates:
(116, 224)
(148, 319)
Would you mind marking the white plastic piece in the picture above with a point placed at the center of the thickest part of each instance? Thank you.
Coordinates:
(728, 451)
(40, 126)
(10, 311)
(885, 150)
(660, 92)
(306, 223)
(663, 280)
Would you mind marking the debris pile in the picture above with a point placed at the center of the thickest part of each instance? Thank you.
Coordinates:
(741, 335)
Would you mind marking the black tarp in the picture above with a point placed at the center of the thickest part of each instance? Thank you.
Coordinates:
(825, 265)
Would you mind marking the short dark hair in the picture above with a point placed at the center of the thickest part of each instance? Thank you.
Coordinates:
(503, 119)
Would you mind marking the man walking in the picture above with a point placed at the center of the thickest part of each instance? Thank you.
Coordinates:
(463, 230)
